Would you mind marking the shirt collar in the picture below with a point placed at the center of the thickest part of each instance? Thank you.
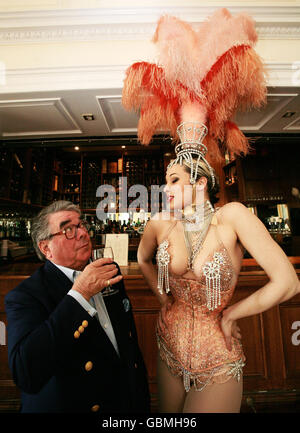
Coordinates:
(70, 273)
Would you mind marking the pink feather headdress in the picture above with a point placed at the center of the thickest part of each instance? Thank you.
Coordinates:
(204, 76)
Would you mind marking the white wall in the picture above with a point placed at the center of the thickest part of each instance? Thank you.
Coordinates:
(57, 34)
(13, 5)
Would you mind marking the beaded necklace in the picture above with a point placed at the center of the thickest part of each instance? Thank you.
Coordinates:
(196, 226)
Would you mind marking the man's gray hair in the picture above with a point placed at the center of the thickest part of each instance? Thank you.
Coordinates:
(40, 225)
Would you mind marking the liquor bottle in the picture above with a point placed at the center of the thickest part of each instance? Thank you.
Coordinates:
(92, 229)
(4, 229)
(17, 230)
(12, 232)
(120, 165)
(104, 165)
(129, 230)
(55, 183)
(1, 230)
(114, 227)
(28, 229)
(124, 227)
(109, 226)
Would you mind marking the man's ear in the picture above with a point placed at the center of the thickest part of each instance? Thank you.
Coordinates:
(43, 246)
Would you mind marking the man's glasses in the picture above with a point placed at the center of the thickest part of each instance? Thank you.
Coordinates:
(70, 231)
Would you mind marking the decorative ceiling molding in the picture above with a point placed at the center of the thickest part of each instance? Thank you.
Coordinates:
(51, 105)
(274, 22)
(105, 32)
(111, 77)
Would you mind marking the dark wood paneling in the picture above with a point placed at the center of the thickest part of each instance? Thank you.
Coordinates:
(272, 370)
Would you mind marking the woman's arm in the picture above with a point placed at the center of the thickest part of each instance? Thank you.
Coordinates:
(147, 246)
(254, 236)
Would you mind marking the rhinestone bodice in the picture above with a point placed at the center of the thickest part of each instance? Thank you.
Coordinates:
(193, 292)
(192, 343)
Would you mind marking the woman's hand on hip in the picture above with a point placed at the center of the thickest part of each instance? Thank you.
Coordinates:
(162, 316)
(229, 328)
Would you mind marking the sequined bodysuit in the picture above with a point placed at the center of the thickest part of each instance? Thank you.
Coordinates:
(192, 343)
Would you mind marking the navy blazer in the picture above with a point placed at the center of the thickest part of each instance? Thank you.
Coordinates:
(57, 372)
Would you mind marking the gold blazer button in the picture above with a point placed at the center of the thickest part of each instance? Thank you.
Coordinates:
(88, 366)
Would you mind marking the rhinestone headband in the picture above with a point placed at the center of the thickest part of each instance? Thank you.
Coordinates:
(191, 135)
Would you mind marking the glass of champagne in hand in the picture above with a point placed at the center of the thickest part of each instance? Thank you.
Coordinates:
(101, 253)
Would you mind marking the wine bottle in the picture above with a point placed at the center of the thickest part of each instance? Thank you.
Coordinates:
(92, 229)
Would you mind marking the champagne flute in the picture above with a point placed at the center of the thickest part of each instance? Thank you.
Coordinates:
(100, 253)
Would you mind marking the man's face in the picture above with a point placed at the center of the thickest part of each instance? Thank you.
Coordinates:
(72, 253)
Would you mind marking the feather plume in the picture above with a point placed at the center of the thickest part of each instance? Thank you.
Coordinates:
(236, 142)
(205, 74)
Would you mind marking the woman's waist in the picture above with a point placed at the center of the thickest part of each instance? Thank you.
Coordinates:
(199, 281)
(198, 295)
(204, 348)
(198, 301)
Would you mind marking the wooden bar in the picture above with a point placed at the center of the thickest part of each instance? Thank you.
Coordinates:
(270, 340)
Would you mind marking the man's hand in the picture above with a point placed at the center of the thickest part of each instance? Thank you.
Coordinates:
(95, 277)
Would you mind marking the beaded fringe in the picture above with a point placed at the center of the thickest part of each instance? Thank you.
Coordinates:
(163, 259)
(231, 369)
(163, 279)
(213, 292)
(212, 272)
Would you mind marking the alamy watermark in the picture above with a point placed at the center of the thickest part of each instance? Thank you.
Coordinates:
(2, 334)
(181, 198)
(296, 335)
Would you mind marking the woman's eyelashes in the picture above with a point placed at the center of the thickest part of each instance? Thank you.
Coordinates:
(174, 180)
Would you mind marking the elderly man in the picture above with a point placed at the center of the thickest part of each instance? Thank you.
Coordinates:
(70, 348)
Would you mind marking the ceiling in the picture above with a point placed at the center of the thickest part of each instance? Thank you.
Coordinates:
(58, 114)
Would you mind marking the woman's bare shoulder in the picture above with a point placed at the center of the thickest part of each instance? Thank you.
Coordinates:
(160, 222)
(230, 211)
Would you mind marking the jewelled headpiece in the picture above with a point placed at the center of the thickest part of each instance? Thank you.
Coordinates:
(191, 147)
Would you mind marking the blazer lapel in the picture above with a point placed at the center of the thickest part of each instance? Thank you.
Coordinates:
(115, 310)
(56, 281)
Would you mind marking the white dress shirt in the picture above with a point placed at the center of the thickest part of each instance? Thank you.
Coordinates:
(95, 306)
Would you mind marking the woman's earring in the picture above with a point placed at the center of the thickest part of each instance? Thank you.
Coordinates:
(194, 197)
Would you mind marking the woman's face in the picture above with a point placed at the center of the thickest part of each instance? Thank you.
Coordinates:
(179, 190)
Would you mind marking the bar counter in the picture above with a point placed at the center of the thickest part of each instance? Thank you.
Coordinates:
(132, 271)
(271, 340)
